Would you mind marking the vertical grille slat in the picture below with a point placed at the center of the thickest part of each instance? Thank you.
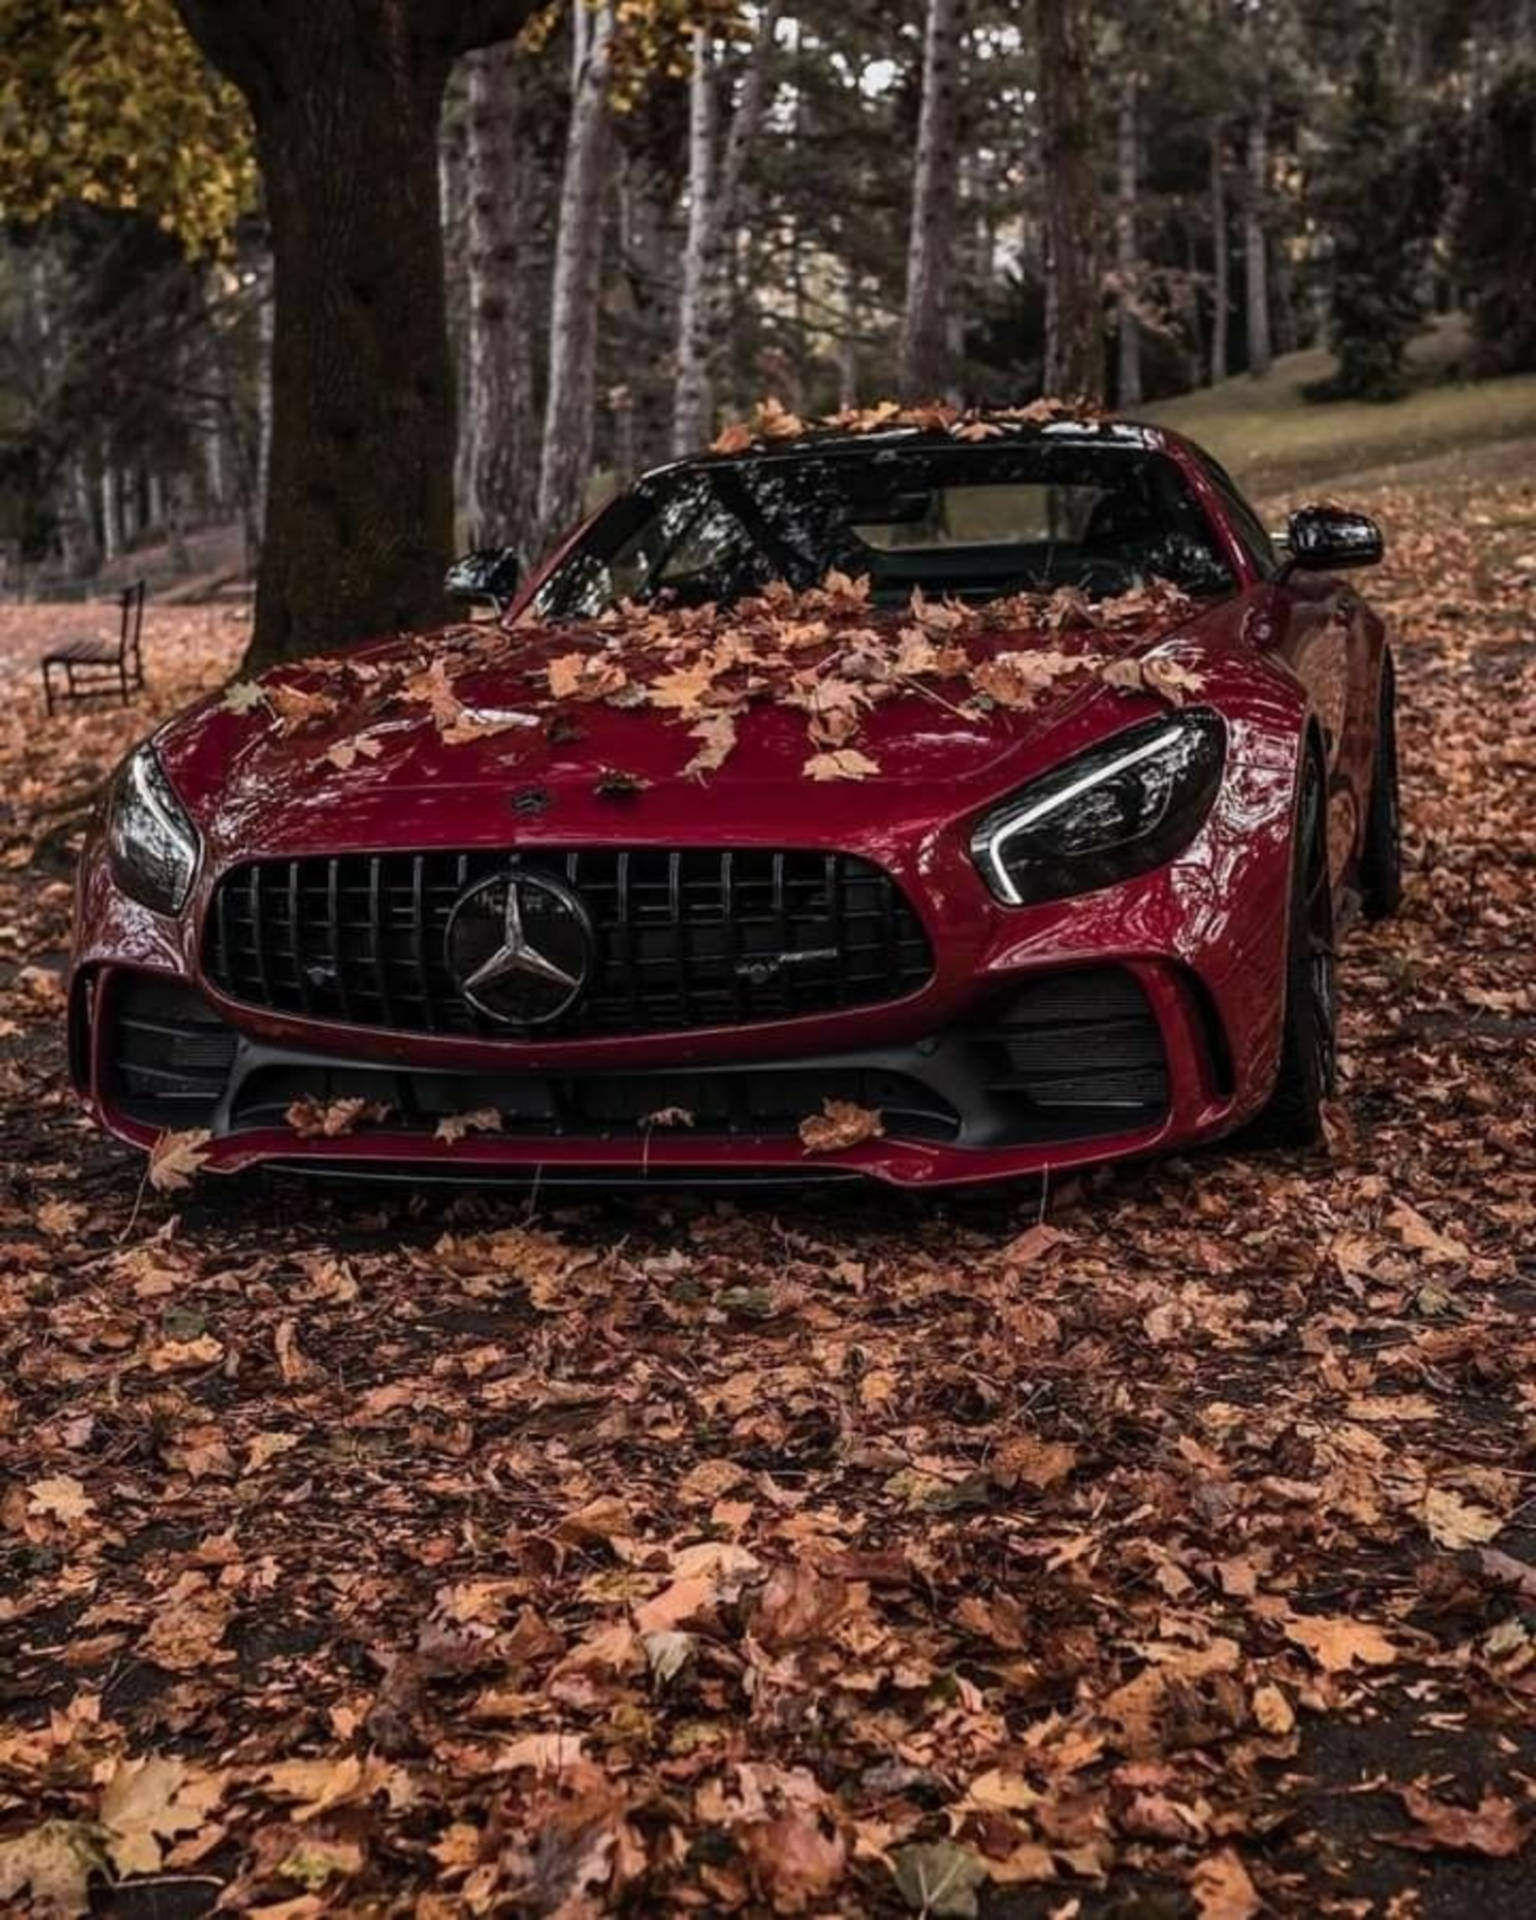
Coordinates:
(685, 937)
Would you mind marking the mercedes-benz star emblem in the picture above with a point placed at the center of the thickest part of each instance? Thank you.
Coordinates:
(520, 948)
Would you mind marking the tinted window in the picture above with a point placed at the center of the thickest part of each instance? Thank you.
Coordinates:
(973, 521)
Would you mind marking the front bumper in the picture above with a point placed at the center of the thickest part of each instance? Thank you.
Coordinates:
(1058, 1068)
(1176, 976)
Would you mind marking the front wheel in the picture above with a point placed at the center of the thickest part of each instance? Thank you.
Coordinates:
(1293, 1116)
(1381, 858)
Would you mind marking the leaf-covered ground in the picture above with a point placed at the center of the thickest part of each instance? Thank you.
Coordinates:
(1169, 1549)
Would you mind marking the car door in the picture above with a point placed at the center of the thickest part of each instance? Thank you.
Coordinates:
(1327, 636)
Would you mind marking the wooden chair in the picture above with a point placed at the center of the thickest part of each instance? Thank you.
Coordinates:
(96, 669)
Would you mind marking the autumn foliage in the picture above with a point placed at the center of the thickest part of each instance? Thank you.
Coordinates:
(1166, 1540)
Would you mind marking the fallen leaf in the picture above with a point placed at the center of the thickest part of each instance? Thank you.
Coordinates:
(315, 1119)
(454, 1126)
(1456, 1523)
(940, 1878)
(176, 1158)
(1337, 1643)
(1493, 1828)
(62, 1496)
(845, 763)
(840, 1124)
(1222, 1888)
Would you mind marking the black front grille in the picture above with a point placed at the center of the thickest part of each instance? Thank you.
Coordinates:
(168, 1054)
(686, 938)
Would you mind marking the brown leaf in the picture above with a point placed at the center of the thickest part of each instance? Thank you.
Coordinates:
(61, 1497)
(176, 1158)
(1492, 1828)
(798, 1605)
(795, 1859)
(717, 731)
(1222, 1888)
(844, 763)
(839, 1124)
(315, 1119)
(454, 1126)
(1153, 674)
(1337, 1643)
(295, 709)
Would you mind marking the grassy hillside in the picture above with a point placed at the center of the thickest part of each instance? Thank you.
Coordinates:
(1274, 440)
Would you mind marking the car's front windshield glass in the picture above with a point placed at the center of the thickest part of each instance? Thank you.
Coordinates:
(973, 521)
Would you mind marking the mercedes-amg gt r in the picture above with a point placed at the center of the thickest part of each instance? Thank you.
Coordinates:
(929, 798)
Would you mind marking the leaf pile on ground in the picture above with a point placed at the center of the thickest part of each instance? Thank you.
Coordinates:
(1164, 1548)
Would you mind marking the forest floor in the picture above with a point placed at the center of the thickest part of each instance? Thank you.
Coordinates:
(1172, 1553)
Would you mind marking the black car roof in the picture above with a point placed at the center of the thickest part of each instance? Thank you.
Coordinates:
(821, 438)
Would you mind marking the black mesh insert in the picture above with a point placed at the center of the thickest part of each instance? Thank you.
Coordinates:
(686, 937)
(168, 1054)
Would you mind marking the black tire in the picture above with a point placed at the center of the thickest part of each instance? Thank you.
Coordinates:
(1293, 1116)
(1381, 858)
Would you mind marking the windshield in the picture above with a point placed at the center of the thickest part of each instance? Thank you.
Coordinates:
(973, 521)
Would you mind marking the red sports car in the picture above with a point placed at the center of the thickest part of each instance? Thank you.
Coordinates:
(926, 797)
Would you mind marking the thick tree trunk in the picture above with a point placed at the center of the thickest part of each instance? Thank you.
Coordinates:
(713, 193)
(345, 97)
(501, 429)
(1127, 259)
(1221, 264)
(931, 236)
(1074, 348)
(1255, 240)
(568, 414)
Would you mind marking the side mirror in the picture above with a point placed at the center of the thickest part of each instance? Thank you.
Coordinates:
(488, 574)
(1328, 539)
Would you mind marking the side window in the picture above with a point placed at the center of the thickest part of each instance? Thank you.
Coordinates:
(1246, 524)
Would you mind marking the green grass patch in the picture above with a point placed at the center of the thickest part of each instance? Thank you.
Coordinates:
(1274, 440)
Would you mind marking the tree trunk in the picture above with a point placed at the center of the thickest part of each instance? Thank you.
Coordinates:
(345, 97)
(931, 235)
(692, 407)
(568, 414)
(1260, 354)
(1074, 348)
(1127, 260)
(713, 192)
(266, 331)
(848, 345)
(111, 510)
(1221, 264)
(501, 429)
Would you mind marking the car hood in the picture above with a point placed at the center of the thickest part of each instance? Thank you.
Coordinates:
(323, 755)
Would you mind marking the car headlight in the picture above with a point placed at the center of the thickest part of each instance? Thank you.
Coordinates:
(152, 845)
(1122, 808)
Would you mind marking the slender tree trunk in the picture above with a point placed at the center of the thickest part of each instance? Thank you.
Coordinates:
(713, 193)
(848, 345)
(502, 431)
(1127, 258)
(345, 100)
(568, 414)
(930, 239)
(111, 510)
(1221, 262)
(692, 407)
(1255, 239)
(1074, 349)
